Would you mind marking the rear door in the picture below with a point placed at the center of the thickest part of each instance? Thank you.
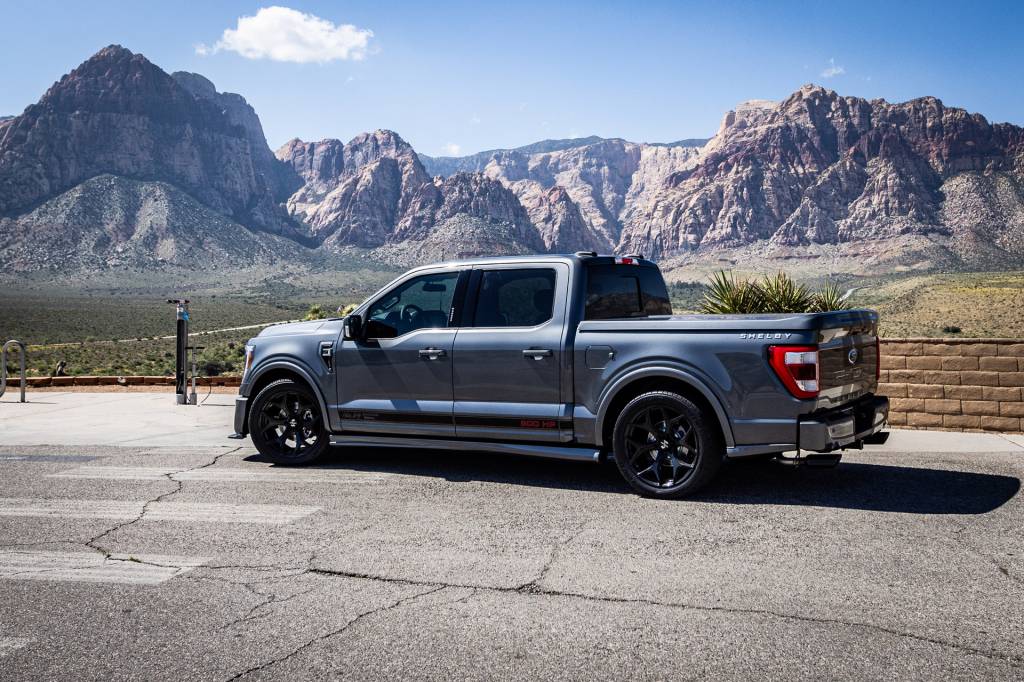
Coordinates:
(509, 354)
(398, 379)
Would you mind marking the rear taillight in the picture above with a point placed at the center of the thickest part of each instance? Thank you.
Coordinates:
(797, 367)
(878, 359)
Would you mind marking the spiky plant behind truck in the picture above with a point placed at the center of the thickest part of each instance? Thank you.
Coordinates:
(777, 293)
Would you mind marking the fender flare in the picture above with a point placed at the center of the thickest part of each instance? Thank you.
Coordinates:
(662, 372)
(272, 364)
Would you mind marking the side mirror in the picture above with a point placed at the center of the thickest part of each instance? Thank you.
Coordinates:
(353, 327)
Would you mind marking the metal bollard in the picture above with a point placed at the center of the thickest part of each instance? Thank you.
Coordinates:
(3, 366)
(181, 349)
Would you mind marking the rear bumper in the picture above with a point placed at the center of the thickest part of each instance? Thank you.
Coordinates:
(846, 425)
(241, 414)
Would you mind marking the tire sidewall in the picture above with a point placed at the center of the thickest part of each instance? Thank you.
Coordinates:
(709, 448)
(268, 450)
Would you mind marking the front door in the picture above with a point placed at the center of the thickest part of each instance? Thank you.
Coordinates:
(509, 355)
(397, 380)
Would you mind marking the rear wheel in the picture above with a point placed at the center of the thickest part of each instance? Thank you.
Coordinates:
(666, 446)
(286, 424)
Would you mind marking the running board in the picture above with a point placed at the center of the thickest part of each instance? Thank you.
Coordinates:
(529, 449)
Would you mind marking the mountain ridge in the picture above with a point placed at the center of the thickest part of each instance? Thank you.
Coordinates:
(787, 181)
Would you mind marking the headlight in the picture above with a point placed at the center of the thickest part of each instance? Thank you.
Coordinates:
(249, 351)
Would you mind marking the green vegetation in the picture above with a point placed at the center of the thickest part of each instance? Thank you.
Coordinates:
(315, 312)
(776, 293)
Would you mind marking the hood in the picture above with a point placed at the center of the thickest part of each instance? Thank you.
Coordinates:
(292, 328)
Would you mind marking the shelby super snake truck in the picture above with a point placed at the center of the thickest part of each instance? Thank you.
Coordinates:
(574, 357)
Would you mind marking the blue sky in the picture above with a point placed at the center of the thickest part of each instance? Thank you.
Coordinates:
(469, 76)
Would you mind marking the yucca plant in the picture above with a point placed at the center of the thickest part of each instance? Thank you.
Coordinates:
(829, 297)
(777, 293)
(725, 295)
(780, 294)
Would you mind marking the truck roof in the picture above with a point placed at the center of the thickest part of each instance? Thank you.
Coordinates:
(578, 257)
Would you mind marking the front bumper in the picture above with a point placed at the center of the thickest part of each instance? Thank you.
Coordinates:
(844, 426)
(241, 415)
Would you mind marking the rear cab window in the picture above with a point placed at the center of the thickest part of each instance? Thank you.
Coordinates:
(622, 291)
(515, 297)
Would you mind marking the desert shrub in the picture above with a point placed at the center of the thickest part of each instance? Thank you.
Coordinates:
(727, 295)
(951, 329)
(829, 297)
(777, 293)
(315, 312)
(780, 294)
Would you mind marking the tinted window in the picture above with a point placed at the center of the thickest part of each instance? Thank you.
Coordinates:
(515, 298)
(421, 303)
(625, 291)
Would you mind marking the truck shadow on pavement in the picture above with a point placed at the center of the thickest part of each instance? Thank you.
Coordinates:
(851, 485)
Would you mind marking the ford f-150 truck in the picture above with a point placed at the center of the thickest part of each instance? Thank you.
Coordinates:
(574, 357)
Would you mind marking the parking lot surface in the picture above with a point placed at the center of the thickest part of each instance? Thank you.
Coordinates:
(205, 562)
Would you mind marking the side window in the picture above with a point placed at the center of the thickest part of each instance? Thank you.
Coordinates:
(515, 298)
(421, 303)
(616, 291)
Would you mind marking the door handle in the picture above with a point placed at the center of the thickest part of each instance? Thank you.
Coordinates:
(537, 353)
(432, 353)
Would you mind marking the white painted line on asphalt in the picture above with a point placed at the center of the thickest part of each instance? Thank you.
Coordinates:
(9, 645)
(93, 567)
(224, 475)
(156, 511)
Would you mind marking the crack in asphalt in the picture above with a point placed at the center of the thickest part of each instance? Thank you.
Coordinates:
(958, 538)
(267, 599)
(93, 542)
(533, 586)
(351, 623)
(531, 589)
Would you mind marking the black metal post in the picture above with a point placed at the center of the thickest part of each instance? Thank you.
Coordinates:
(181, 348)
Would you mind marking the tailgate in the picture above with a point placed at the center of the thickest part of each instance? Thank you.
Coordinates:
(848, 360)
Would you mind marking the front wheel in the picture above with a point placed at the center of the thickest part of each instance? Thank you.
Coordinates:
(286, 424)
(666, 446)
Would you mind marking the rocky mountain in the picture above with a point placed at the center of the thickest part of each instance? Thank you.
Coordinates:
(119, 114)
(373, 191)
(822, 169)
(474, 163)
(121, 164)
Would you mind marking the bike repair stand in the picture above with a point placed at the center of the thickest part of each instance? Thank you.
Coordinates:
(181, 350)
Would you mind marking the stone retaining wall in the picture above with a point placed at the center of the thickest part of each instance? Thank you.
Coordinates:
(13, 381)
(956, 384)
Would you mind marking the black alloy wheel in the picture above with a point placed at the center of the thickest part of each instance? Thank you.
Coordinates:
(286, 424)
(665, 445)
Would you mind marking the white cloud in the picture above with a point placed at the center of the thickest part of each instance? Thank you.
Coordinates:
(283, 34)
(475, 120)
(451, 149)
(832, 70)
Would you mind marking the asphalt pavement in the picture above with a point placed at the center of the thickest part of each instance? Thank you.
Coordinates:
(132, 559)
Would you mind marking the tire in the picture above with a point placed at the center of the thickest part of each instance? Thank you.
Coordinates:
(666, 446)
(286, 425)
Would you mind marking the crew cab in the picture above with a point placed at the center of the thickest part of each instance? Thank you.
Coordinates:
(574, 357)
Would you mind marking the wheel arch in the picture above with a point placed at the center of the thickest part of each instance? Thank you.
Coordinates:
(284, 369)
(648, 379)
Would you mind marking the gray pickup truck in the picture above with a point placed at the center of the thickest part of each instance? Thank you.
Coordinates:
(572, 357)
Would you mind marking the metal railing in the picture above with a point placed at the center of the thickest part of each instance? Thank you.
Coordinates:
(3, 366)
